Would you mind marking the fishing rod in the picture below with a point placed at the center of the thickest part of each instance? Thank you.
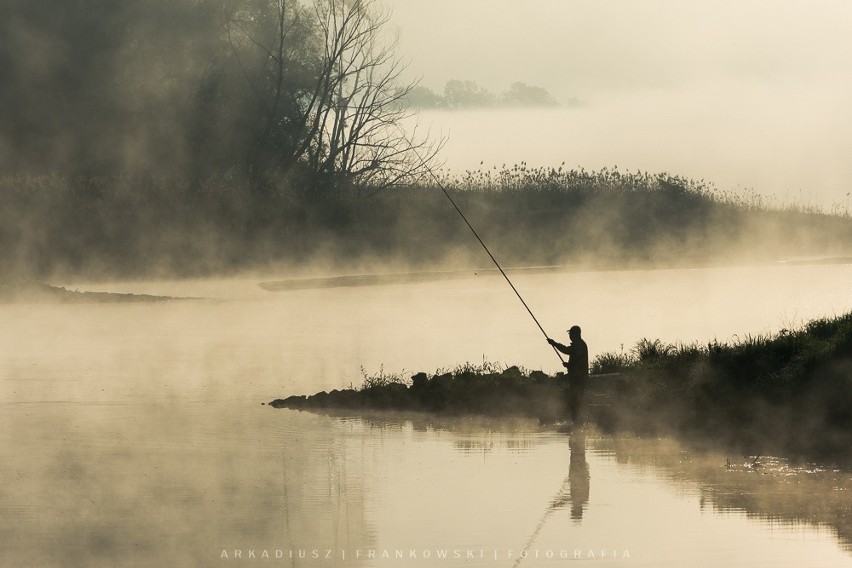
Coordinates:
(559, 499)
(555, 504)
(481, 242)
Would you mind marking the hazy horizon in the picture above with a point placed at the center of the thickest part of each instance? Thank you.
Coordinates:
(748, 96)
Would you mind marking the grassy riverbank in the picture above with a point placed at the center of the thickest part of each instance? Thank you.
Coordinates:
(789, 394)
(138, 226)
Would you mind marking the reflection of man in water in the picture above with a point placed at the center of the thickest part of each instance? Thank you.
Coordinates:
(574, 490)
(578, 371)
(578, 475)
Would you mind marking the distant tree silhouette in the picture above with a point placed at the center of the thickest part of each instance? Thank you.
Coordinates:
(424, 97)
(466, 94)
(521, 94)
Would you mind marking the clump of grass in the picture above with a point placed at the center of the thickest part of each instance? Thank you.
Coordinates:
(650, 352)
(611, 363)
(382, 378)
(483, 368)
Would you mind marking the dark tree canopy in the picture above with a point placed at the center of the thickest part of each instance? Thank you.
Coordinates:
(194, 88)
(99, 86)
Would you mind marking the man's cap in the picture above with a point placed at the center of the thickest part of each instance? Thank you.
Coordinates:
(573, 327)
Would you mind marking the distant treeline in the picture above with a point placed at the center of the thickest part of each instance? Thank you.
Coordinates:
(190, 137)
(147, 226)
(469, 95)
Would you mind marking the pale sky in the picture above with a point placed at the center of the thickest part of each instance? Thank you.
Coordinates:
(752, 95)
(580, 47)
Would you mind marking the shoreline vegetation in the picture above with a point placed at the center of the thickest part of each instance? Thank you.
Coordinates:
(787, 394)
(109, 227)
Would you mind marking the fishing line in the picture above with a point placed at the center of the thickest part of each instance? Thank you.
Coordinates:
(478, 238)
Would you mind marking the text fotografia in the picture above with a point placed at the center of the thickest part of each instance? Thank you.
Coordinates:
(429, 554)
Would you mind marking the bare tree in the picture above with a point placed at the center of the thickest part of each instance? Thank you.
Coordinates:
(347, 126)
(360, 132)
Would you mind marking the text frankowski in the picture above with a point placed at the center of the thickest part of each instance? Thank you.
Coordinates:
(422, 554)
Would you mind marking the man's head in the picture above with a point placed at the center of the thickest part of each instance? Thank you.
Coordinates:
(574, 332)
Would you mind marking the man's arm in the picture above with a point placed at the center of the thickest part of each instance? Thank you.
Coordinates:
(566, 349)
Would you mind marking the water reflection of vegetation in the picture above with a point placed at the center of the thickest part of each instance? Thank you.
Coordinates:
(513, 432)
(764, 487)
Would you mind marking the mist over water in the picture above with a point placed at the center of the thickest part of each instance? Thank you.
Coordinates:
(134, 433)
(302, 341)
(785, 142)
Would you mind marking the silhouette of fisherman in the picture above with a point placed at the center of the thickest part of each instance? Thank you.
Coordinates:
(578, 371)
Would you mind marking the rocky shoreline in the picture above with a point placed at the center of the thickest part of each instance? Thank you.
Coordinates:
(510, 392)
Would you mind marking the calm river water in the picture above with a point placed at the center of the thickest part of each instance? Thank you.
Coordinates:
(135, 435)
